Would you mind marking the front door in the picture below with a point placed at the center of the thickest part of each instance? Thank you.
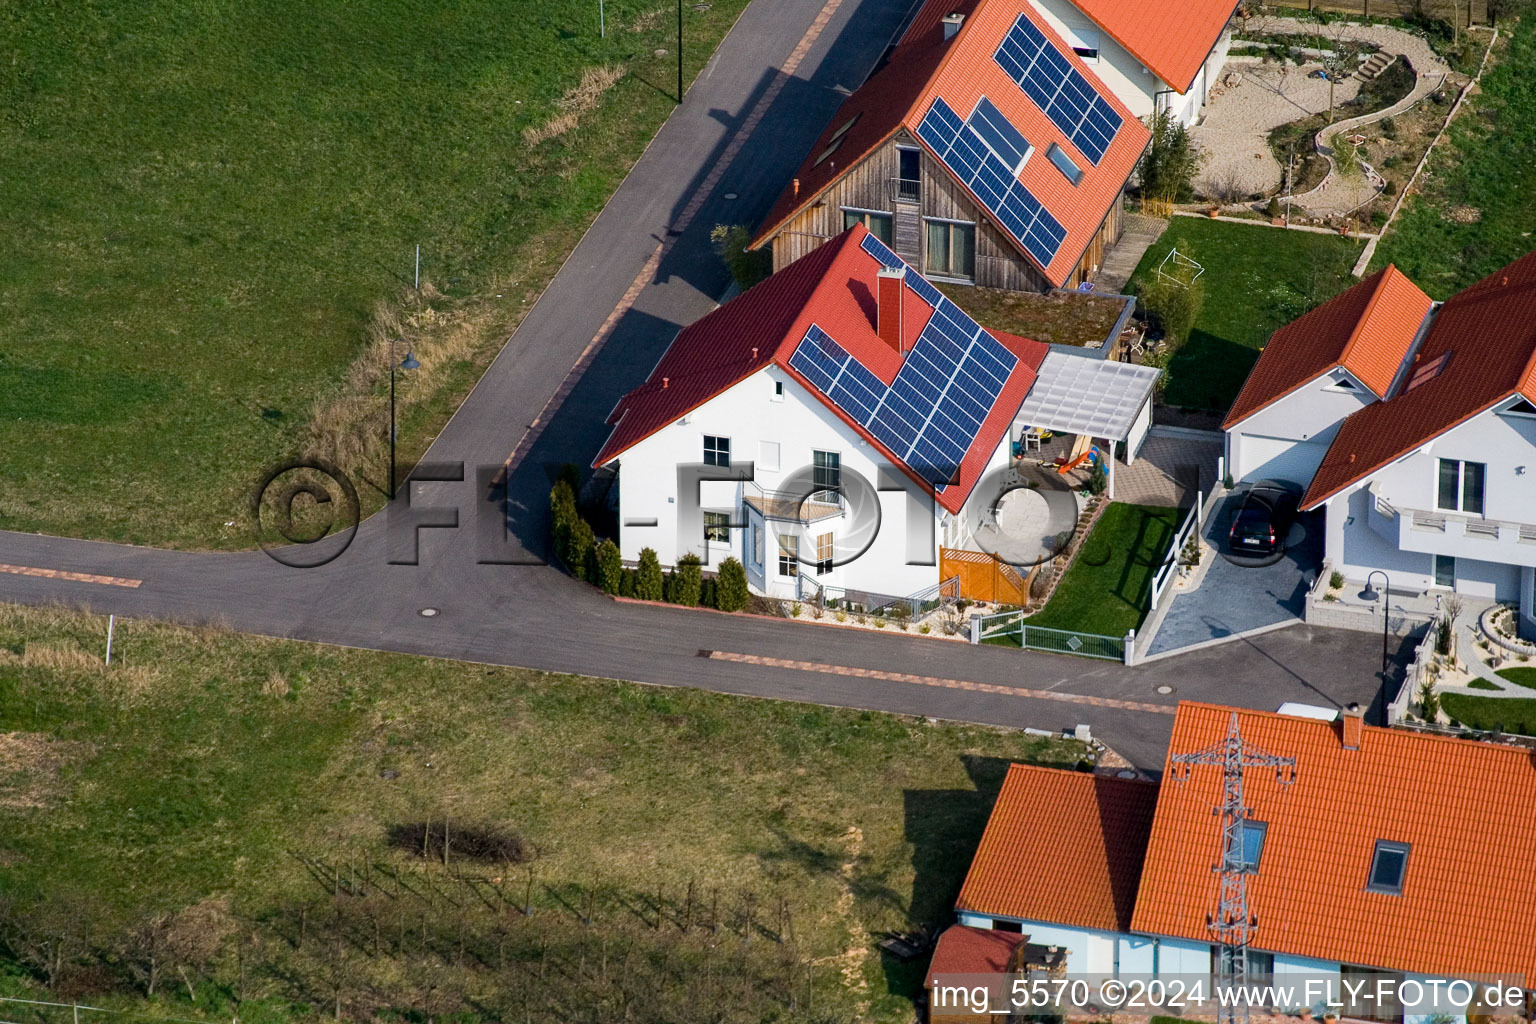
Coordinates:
(1445, 572)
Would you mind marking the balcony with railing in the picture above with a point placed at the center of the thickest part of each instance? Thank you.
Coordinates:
(1437, 532)
(791, 506)
(906, 190)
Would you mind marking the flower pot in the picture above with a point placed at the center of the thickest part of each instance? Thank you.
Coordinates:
(1214, 212)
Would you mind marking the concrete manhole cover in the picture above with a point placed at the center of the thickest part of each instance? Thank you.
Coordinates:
(730, 195)
(1165, 689)
(427, 613)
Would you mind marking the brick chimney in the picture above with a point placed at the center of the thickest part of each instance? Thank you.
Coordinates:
(888, 319)
(1352, 726)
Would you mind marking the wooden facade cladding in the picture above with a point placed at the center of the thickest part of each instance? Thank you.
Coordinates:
(871, 185)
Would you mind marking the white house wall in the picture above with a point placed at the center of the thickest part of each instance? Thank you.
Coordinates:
(749, 415)
(1089, 951)
(1507, 446)
(1132, 82)
(1312, 413)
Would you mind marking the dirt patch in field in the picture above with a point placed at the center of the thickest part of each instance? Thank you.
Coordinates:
(29, 768)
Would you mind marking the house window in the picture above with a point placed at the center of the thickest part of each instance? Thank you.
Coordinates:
(717, 527)
(1064, 163)
(1445, 571)
(1085, 43)
(1343, 384)
(909, 168)
(757, 546)
(879, 224)
(778, 391)
(1252, 840)
(1261, 966)
(717, 451)
(1461, 486)
(826, 474)
(823, 554)
(1389, 863)
(789, 561)
(951, 249)
(837, 138)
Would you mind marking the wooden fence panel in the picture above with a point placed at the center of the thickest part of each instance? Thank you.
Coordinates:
(1466, 12)
(984, 578)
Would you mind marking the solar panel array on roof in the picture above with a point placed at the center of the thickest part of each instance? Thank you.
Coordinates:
(1059, 89)
(982, 171)
(933, 410)
(915, 281)
(999, 133)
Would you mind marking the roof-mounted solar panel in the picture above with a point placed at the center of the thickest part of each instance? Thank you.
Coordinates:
(886, 258)
(1065, 95)
(929, 415)
(997, 186)
(999, 133)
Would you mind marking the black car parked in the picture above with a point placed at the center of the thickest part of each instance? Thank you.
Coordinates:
(1263, 520)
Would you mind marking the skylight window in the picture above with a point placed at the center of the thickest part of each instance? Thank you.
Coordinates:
(1428, 371)
(1064, 164)
(1252, 842)
(1389, 864)
(837, 138)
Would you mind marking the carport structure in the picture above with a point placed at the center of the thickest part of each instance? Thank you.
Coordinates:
(1100, 399)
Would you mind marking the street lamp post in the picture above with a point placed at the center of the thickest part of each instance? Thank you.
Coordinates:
(1368, 594)
(410, 362)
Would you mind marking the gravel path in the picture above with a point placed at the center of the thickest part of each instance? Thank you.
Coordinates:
(1252, 98)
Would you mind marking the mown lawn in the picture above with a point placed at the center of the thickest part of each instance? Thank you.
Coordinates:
(1473, 213)
(203, 203)
(263, 778)
(1520, 676)
(1106, 589)
(1507, 714)
(1256, 280)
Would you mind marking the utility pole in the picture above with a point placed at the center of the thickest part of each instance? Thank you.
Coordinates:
(679, 51)
(1233, 923)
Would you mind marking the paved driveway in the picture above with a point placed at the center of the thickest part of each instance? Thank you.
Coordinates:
(1232, 600)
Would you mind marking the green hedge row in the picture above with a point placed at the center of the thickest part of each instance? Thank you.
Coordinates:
(599, 563)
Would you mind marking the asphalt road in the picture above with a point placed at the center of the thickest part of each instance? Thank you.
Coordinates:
(742, 130)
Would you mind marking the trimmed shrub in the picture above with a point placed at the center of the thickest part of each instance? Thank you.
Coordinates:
(731, 591)
(610, 566)
(687, 581)
(578, 552)
(627, 583)
(562, 516)
(747, 267)
(707, 590)
(648, 578)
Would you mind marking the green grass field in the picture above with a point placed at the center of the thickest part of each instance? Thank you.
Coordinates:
(1106, 589)
(206, 767)
(1519, 675)
(1473, 212)
(1257, 279)
(204, 202)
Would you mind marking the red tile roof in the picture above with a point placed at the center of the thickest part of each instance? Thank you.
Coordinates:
(1483, 341)
(963, 950)
(925, 66)
(1174, 47)
(1063, 847)
(834, 288)
(1367, 330)
(1467, 810)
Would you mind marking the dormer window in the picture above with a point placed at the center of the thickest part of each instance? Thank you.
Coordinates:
(1389, 865)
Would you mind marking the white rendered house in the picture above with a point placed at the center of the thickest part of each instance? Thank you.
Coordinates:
(839, 425)
(1413, 425)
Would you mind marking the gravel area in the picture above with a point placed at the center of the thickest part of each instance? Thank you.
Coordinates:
(1249, 100)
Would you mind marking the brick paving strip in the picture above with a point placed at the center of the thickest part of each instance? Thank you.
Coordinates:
(782, 76)
(950, 684)
(77, 577)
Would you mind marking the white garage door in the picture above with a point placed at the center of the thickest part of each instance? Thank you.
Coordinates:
(1279, 458)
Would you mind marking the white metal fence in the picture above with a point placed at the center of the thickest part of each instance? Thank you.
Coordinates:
(1165, 572)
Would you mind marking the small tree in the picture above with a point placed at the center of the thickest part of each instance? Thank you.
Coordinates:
(688, 581)
(1429, 701)
(578, 553)
(731, 591)
(648, 578)
(1098, 480)
(562, 515)
(1169, 166)
(746, 267)
(1174, 300)
(610, 566)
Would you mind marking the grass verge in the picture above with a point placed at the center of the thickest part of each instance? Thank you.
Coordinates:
(1472, 212)
(1257, 279)
(211, 279)
(266, 796)
(1520, 676)
(1106, 589)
